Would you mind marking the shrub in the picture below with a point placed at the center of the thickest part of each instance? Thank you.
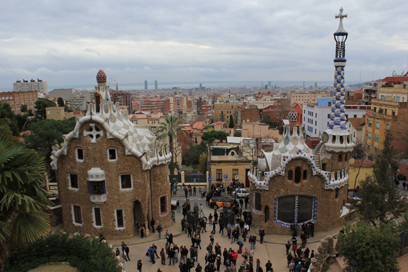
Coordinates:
(79, 252)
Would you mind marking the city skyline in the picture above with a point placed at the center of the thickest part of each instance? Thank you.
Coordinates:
(65, 43)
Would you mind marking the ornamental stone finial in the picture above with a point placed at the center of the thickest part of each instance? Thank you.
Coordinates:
(341, 16)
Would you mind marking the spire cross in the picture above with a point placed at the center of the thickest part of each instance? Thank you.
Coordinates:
(341, 16)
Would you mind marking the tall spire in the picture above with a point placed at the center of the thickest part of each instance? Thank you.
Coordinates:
(338, 114)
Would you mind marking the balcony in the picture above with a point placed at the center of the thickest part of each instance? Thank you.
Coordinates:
(374, 95)
(369, 87)
(98, 199)
(364, 100)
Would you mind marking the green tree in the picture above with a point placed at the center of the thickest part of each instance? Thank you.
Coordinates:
(231, 123)
(40, 106)
(169, 129)
(23, 108)
(60, 102)
(6, 132)
(193, 155)
(202, 164)
(380, 199)
(7, 117)
(373, 247)
(23, 204)
(211, 136)
(44, 133)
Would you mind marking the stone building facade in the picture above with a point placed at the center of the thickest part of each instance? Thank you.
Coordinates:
(111, 174)
(289, 185)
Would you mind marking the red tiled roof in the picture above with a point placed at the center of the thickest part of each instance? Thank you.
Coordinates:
(359, 91)
(399, 78)
(363, 163)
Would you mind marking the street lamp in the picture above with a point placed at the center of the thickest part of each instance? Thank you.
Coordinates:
(353, 265)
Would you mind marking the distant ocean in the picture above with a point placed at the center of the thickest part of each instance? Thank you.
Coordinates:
(207, 84)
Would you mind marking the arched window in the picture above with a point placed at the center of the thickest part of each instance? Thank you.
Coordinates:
(340, 157)
(266, 214)
(258, 205)
(336, 193)
(304, 174)
(290, 175)
(293, 206)
(298, 174)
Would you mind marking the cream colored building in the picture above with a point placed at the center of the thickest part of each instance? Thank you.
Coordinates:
(223, 112)
(306, 97)
(356, 128)
(54, 113)
(261, 104)
(258, 130)
(148, 121)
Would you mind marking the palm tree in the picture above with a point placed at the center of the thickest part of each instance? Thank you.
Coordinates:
(169, 129)
(23, 203)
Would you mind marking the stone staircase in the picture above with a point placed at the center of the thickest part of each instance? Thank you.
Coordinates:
(317, 155)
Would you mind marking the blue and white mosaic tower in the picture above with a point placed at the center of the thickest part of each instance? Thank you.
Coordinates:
(336, 138)
(338, 114)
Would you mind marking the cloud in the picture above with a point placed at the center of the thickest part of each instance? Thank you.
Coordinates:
(66, 43)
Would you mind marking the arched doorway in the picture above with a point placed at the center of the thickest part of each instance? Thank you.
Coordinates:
(138, 214)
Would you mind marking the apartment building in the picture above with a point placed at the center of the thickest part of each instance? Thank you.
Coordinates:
(16, 99)
(31, 86)
(306, 97)
(389, 111)
(316, 119)
(224, 111)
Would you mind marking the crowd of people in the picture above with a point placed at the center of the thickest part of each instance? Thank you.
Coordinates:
(236, 229)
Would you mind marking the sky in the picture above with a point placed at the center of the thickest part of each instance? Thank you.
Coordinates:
(67, 42)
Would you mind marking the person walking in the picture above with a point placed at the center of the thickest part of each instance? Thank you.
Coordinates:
(127, 252)
(139, 265)
(246, 202)
(194, 191)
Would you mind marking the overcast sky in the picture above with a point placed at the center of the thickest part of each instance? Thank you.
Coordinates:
(67, 42)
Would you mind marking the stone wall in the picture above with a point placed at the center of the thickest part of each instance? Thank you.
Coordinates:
(324, 251)
(143, 190)
(328, 206)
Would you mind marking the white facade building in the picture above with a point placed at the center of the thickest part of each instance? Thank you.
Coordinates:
(26, 86)
(316, 118)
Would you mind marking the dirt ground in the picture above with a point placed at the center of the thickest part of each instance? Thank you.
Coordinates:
(54, 267)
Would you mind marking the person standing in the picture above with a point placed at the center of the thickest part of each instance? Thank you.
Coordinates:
(198, 268)
(159, 230)
(139, 265)
(268, 266)
(298, 267)
(261, 234)
(163, 256)
(287, 247)
(246, 202)
(152, 223)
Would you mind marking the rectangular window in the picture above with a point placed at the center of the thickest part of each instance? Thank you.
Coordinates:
(398, 99)
(77, 214)
(80, 154)
(369, 135)
(369, 147)
(387, 126)
(126, 181)
(219, 174)
(119, 219)
(97, 187)
(328, 116)
(375, 150)
(315, 123)
(382, 97)
(112, 154)
(370, 123)
(355, 115)
(377, 125)
(376, 138)
(375, 109)
(97, 217)
(73, 181)
(163, 204)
